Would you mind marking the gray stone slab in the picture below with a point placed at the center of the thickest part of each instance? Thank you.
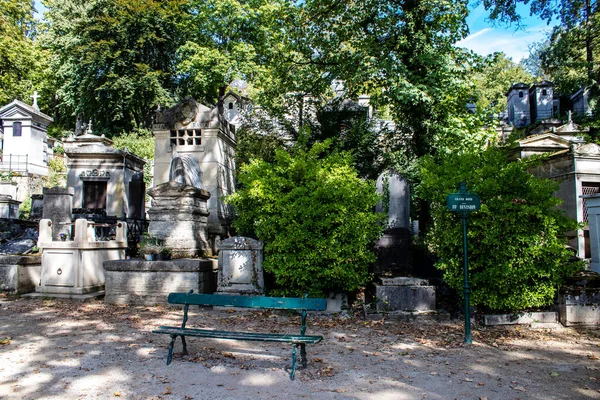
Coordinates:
(76, 297)
(410, 316)
(178, 265)
(21, 260)
(520, 319)
(404, 281)
(584, 315)
(405, 298)
(580, 306)
(337, 302)
(546, 325)
(20, 274)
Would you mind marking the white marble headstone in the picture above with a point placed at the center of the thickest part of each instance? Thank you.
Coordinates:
(240, 265)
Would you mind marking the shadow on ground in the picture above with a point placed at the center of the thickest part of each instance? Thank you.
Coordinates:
(64, 350)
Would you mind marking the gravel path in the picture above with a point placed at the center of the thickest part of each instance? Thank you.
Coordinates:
(65, 350)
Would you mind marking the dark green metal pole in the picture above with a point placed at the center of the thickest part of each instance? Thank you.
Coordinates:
(467, 290)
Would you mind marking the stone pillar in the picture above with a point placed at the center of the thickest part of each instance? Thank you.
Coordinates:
(392, 248)
(240, 266)
(179, 217)
(45, 235)
(37, 207)
(58, 207)
(592, 203)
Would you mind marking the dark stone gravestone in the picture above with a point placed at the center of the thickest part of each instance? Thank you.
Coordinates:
(393, 248)
(137, 196)
(58, 207)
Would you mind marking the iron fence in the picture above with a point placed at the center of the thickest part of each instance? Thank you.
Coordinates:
(14, 162)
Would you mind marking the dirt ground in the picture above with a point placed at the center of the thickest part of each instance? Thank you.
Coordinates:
(53, 349)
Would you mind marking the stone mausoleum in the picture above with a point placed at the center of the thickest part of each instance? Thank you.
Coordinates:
(193, 129)
(104, 179)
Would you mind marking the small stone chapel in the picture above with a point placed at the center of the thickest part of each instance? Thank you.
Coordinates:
(105, 180)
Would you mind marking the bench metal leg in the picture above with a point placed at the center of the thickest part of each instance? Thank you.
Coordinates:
(293, 373)
(184, 345)
(303, 354)
(172, 344)
(170, 355)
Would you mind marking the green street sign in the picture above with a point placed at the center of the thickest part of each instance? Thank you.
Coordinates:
(463, 202)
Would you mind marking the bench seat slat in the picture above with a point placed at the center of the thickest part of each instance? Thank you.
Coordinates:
(224, 300)
(256, 336)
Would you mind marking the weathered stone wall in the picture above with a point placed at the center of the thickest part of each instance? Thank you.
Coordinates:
(20, 274)
(150, 282)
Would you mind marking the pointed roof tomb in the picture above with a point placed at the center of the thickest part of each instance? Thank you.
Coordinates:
(24, 138)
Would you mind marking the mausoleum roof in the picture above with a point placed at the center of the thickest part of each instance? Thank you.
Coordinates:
(88, 145)
(12, 108)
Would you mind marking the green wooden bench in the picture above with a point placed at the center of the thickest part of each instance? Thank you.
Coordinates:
(258, 302)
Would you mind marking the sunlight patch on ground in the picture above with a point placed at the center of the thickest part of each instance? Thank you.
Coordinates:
(24, 385)
(258, 380)
(390, 395)
(108, 379)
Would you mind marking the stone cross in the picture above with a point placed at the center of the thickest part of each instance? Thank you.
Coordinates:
(35, 97)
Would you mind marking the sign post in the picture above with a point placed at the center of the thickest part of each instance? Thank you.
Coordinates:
(464, 203)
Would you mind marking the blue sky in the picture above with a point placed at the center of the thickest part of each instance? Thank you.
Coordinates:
(485, 38)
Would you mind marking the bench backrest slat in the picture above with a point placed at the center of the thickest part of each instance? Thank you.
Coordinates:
(225, 300)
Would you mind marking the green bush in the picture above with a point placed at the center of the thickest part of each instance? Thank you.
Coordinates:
(315, 216)
(516, 243)
(57, 173)
(25, 209)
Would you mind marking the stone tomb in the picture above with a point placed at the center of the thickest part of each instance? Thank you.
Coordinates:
(19, 274)
(191, 128)
(150, 282)
(240, 266)
(9, 208)
(100, 176)
(404, 294)
(58, 208)
(178, 217)
(74, 267)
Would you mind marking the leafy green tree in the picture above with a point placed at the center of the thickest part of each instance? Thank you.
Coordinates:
(141, 143)
(565, 60)
(493, 75)
(400, 53)
(115, 58)
(18, 52)
(227, 40)
(532, 63)
(315, 216)
(57, 173)
(517, 249)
